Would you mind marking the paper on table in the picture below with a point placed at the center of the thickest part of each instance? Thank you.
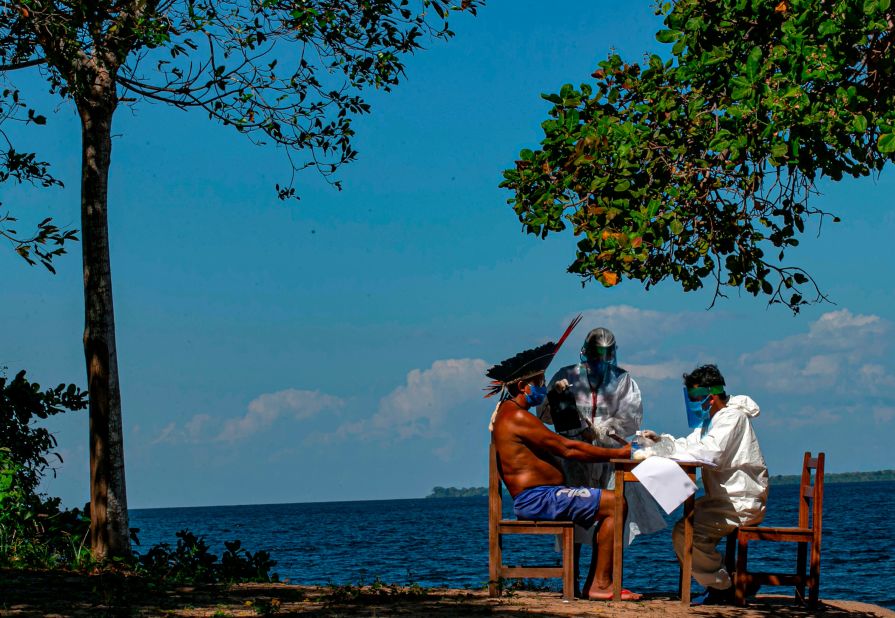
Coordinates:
(665, 481)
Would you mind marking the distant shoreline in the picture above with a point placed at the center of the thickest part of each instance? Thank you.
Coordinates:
(777, 479)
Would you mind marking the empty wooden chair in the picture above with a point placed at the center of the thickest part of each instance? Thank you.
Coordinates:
(807, 535)
(497, 527)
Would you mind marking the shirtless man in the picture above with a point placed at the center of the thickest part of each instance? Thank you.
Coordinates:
(527, 453)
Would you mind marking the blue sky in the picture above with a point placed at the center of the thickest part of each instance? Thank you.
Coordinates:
(334, 348)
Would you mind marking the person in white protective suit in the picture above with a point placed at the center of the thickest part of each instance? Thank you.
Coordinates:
(735, 479)
(597, 401)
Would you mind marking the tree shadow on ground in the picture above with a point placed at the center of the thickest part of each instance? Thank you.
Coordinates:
(28, 594)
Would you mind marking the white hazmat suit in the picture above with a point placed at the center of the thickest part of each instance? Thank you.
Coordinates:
(607, 403)
(736, 485)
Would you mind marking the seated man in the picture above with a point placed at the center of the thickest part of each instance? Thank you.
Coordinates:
(526, 453)
(736, 488)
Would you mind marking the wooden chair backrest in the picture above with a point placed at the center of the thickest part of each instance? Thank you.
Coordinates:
(495, 503)
(811, 496)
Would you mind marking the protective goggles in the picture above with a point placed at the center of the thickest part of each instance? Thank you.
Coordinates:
(701, 392)
(594, 351)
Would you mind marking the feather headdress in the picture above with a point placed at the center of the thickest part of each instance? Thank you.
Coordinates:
(525, 364)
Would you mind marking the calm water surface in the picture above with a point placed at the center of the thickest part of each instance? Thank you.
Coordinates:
(437, 542)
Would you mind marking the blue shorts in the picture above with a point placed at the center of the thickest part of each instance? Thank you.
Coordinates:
(558, 503)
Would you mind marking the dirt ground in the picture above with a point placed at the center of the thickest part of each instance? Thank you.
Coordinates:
(29, 594)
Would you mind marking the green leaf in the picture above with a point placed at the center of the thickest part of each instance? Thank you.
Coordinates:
(666, 36)
(884, 4)
(886, 143)
(741, 88)
(870, 6)
(623, 186)
(859, 123)
(828, 27)
(753, 63)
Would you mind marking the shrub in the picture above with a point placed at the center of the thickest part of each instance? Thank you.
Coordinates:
(36, 532)
(191, 562)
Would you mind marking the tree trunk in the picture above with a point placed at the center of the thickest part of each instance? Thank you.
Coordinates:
(109, 533)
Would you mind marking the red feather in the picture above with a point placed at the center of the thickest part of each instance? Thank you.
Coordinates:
(567, 333)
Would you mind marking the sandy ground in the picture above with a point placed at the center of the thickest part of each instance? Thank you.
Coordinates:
(62, 595)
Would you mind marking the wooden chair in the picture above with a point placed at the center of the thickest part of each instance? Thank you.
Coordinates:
(497, 527)
(807, 534)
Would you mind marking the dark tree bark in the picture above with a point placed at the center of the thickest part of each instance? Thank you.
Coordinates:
(108, 516)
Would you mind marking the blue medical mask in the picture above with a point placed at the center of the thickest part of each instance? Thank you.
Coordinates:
(697, 413)
(537, 395)
(598, 366)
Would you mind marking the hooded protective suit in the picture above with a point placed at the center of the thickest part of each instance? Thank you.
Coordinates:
(605, 401)
(736, 488)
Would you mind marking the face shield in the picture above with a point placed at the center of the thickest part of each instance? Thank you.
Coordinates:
(599, 348)
(696, 400)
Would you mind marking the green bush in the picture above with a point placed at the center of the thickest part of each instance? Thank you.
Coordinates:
(36, 533)
(191, 562)
(22, 403)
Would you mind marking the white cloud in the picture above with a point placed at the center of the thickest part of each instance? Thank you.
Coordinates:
(670, 370)
(883, 414)
(261, 413)
(418, 408)
(168, 435)
(635, 327)
(875, 378)
(267, 408)
(806, 416)
(830, 357)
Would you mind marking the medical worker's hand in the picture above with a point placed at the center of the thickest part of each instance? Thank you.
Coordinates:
(650, 435)
(642, 453)
(560, 385)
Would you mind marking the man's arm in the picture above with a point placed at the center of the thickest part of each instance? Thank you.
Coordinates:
(534, 434)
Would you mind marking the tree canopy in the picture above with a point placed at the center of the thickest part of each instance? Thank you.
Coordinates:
(702, 164)
(291, 73)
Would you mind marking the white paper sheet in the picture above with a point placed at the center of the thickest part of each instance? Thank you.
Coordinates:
(665, 481)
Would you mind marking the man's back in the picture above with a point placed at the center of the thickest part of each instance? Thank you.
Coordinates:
(516, 435)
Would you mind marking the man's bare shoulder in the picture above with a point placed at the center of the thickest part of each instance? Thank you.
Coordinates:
(512, 418)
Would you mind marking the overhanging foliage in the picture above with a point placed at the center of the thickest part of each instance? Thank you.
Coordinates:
(702, 166)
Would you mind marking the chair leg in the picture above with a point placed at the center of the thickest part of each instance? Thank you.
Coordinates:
(730, 552)
(741, 581)
(801, 571)
(495, 561)
(814, 577)
(569, 564)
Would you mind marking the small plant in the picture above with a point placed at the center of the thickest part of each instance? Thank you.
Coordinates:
(266, 607)
(502, 588)
(191, 562)
(531, 585)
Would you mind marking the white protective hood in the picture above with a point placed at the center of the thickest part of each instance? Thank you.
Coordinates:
(737, 487)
